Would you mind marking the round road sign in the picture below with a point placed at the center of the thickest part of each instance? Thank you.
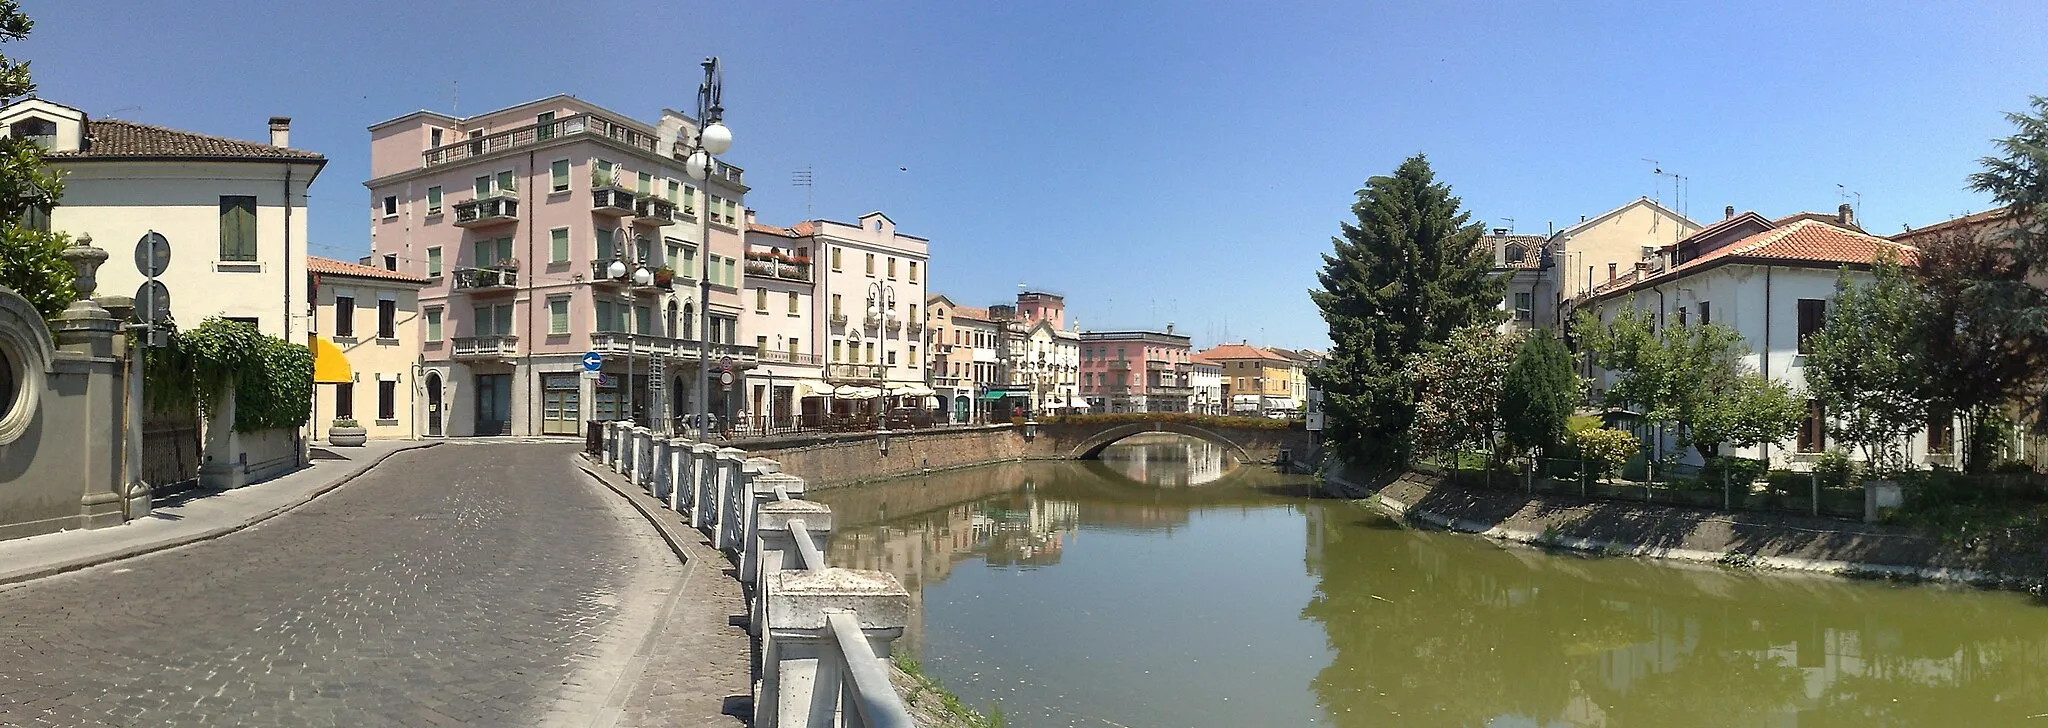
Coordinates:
(725, 379)
(152, 254)
(153, 302)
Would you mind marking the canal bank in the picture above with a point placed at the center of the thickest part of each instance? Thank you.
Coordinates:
(1765, 541)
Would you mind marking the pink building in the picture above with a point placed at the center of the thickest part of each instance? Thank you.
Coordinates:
(1136, 371)
(516, 217)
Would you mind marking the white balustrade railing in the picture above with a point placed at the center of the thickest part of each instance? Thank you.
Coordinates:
(825, 632)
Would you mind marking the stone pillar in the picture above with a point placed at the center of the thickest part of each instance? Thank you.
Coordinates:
(763, 486)
(702, 475)
(724, 536)
(803, 672)
(133, 345)
(680, 485)
(610, 431)
(643, 451)
(84, 332)
(659, 465)
(775, 544)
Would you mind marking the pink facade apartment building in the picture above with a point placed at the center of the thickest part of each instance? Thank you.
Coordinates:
(516, 216)
(1136, 371)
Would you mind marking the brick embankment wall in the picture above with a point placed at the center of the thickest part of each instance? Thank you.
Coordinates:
(827, 460)
(1758, 540)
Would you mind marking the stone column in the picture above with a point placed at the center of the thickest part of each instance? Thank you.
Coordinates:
(84, 334)
(133, 345)
(662, 474)
(803, 671)
(764, 487)
(775, 543)
(702, 475)
(728, 482)
(680, 485)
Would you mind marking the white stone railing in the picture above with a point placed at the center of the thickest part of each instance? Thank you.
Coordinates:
(824, 632)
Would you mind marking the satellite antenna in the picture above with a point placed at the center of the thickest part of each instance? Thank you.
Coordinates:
(802, 178)
(1511, 224)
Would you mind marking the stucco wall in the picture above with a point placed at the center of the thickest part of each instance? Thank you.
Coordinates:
(830, 460)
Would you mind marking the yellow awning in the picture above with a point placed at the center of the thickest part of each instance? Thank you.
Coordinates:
(330, 366)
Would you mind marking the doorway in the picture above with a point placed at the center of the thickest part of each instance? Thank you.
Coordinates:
(493, 404)
(433, 404)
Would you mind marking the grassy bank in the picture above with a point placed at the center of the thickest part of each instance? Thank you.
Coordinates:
(932, 704)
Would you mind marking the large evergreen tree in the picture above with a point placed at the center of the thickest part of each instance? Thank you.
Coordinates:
(1408, 272)
(29, 261)
(2018, 179)
(1540, 392)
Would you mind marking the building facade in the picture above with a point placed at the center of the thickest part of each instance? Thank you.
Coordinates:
(233, 211)
(371, 316)
(1136, 371)
(1256, 382)
(1526, 263)
(1605, 248)
(872, 292)
(1205, 375)
(533, 224)
(965, 360)
(781, 300)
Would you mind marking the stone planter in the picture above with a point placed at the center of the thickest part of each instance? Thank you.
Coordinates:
(347, 436)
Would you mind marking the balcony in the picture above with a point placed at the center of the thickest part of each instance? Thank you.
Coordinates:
(853, 372)
(916, 328)
(1155, 365)
(653, 211)
(485, 348)
(485, 212)
(895, 324)
(838, 319)
(782, 357)
(611, 201)
(1120, 365)
(485, 280)
(601, 274)
(778, 265)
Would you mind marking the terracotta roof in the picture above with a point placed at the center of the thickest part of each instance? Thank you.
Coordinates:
(1804, 242)
(331, 267)
(114, 138)
(755, 227)
(1826, 218)
(970, 313)
(1971, 220)
(1532, 255)
(1235, 352)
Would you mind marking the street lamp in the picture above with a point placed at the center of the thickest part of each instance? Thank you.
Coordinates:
(713, 138)
(640, 275)
(881, 311)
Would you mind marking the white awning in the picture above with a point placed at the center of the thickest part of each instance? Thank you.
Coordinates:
(852, 392)
(1078, 403)
(811, 388)
(913, 390)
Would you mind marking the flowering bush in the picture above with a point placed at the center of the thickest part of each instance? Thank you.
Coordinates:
(1605, 449)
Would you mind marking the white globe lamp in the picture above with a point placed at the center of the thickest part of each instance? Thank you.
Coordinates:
(643, 276)
(617, 269)
(697, 164)
(716, 138)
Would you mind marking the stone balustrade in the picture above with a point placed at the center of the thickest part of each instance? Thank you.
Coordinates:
(824, 632)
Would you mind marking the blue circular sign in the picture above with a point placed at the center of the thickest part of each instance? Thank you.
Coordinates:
(592, 361)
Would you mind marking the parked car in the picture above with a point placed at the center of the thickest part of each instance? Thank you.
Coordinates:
(903, 418)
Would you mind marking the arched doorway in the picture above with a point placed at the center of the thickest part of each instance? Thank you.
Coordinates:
(960, 409)
(433, 404)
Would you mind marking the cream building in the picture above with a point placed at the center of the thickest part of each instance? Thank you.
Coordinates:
(371, 318)
(779, 295)
(234, 211)
(1607, 247)
(872, 344)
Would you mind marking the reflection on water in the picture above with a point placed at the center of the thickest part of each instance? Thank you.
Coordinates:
(1164, 459)
(1088, 598)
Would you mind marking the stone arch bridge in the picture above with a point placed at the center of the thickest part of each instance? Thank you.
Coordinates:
(1085, 437)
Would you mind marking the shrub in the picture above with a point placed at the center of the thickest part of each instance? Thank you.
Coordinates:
(345, 422)
(1250, 423)
(1739, 471)
(1834, 468)
(1604, 449)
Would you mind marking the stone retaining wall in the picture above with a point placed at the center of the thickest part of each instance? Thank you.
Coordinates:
(832, 459)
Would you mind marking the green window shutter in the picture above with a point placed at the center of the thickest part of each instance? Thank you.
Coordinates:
(433, 262)
(604, 244)
(505, 181)
(604, 315)
(482, 321)
(730, 278)
(434, 200)
(546, 128)
(558, 316)
(674, 191)
(558, 174)
(558, 245)
(646, 183)
(504, 250)
(433, 324)
(237, 228)
(504, 320)
(483, 187)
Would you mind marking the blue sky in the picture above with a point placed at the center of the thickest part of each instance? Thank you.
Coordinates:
(1155, 162)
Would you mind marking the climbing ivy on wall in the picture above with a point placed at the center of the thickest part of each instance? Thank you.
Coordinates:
(273, 378)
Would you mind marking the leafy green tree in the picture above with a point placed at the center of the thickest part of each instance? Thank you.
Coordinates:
(1668, 375)
(1407, 273)
(29, 260)
(1980, 355)
(1457, 390)
(1745, 410)
(1539, 393)
(1605, 449)
(2007, 304)
(1868, 364)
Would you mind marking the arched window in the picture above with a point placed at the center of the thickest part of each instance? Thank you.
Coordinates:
(689, 322)
(672, 316)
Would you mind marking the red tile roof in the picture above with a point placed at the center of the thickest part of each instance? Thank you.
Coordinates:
(114, 138)
(800, 230)
(331, 267)
(1986, 217)
(1236, 352)
(1804, 242)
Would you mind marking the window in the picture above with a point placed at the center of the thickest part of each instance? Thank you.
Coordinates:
(689, 202)
(732, 212)
(483, 187)
(344, 401)
(391, 205)
(913, 357)
(434, 200)
(544, 125)
(1682, 310)
(731, 273)
(871, 352)
(792, 303)
(1813, 314)
(1813, 434)
(913, 271)
(761, 300)
(643, 319)
(711, 206)
(871, 264)
(492, 253)
(558, 175)
(238, 227)
(1706, 314)
(604, 245)
(434, 262)
(558, 245)
(344, 316)
(835, 259)
(433, 138)
(505, 181)
(892, 359)
(433, 325)
(1610, 272)
(1941, 430)
(912, 317)
(674, 191)
(387, 320)
(645, 184)
(1523, 301)
(835, 350)
(835, 303)
(558, 315)
(761, 343)
(387, 400)
(606, 316)
(689, 267)
(892, 268)
(492, 320)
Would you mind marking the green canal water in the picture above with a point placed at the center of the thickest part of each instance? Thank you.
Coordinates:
(1163, 587)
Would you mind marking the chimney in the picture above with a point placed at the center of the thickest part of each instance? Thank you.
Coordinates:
(750, 216)
(1500, 231)
(1845, 215)
(1728, 212)
(280, 131)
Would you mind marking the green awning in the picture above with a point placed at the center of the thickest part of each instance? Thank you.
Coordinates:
(994, 395)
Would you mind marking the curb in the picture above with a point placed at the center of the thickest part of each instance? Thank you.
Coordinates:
(668, 534)
(207, 535)
(1829, 567)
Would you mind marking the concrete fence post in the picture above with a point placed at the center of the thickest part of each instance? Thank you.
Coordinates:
(644, 460)
(679, 486)
(622, 433)
(762, 487)
(659, 466)
(728, 482)
(775, 544)
(803, 670)
(701, 475)
(611, 445)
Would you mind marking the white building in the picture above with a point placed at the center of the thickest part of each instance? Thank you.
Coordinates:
(865, 284)
(234, 211)
(1206, 378)
(1772, 282)
(780, 317)
(1525, 261)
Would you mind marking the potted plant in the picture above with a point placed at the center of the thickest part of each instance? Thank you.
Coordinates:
(346, 432)
(664, 276)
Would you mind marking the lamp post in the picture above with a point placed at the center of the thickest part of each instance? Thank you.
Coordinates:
(639, 275)
(713, 138)
(882, 310)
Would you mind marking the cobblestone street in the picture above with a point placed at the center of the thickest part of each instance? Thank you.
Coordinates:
(481, 584)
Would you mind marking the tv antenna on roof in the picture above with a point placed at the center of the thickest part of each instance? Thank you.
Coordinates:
(1677, 185)
(1845, 194)
(1511, 224)
(802, 178)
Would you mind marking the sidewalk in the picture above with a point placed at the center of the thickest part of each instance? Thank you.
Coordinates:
(194, 515)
